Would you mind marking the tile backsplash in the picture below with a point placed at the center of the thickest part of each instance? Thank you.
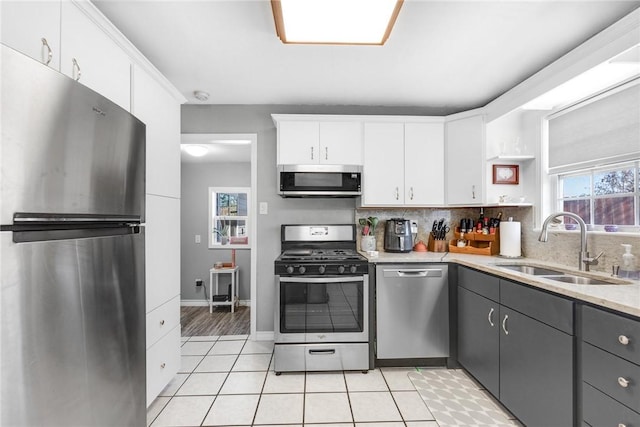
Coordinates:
(561, 248)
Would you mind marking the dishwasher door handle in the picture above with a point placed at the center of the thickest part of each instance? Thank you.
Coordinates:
(413, 272)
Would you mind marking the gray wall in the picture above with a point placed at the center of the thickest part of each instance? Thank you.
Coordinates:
(257, 119)
(197, 259)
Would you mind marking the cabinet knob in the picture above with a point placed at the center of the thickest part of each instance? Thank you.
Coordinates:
(473, 192)
(397, 193)
(622, 339)
(311, 153)
(504, 324)
(326, 153)
(411, 193)
(162, 365)
(490, 317)
(623, 382)
(76, 69)
(45, 44)
(162, 322)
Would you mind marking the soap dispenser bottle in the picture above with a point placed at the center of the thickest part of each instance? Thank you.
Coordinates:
(628, 267)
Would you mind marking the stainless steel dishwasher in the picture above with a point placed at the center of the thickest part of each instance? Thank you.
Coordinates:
(412, 311)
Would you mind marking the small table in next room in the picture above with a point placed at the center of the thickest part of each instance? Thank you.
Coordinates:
(233, 271)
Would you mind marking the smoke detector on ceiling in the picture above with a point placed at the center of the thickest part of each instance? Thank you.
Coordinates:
(201, 95)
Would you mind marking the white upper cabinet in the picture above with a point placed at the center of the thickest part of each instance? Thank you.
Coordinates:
(160, 112)
(424, 164)
(383, 172)
(33, 28)
(465, 160)
(90, 56)
(403, 163)
(298, 142)
(341, 143)
(312, 140)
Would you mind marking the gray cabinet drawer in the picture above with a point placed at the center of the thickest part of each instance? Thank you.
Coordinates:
(607, 330)
(480, 283)
(604, 371)
(598, 409)
(552, 310)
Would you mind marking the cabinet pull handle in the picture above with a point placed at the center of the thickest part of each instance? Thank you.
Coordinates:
(76, 70)
(397, 193)
(323, 352)
(490, 317)
(622, 339)
(473, 192)
(311, 153)
(162, 322)
(326, 153)
(623, 382)
(504, 324)
(49, 51)
(411, 193)
(162, 365)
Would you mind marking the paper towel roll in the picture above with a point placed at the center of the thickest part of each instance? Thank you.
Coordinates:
(510, 239)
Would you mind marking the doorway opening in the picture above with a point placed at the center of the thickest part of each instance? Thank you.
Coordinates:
(216, 228)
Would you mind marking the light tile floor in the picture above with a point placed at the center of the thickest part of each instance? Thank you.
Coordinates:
(227, 381)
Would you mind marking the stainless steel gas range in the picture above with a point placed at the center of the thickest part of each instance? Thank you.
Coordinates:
(322, 302)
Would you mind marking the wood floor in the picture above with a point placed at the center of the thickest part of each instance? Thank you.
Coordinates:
(197, 321)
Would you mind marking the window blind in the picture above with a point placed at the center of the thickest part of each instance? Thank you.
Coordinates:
(603, 130)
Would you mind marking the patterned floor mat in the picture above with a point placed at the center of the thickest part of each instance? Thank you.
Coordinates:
(455, 399)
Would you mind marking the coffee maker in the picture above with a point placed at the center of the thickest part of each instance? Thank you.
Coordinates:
(397, 235)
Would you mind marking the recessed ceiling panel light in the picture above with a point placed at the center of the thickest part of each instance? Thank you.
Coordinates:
(195, 150)
(335, 21)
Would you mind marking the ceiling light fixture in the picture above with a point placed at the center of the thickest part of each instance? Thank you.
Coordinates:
(359, 22)
(201, 95)
(195, 150)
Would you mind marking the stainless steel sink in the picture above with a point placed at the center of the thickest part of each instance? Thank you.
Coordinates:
(529, 269)
(579, 280)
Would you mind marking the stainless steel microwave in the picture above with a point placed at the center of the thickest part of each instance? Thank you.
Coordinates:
(319, 180)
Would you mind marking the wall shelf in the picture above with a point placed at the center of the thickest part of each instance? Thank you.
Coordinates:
(513, 157)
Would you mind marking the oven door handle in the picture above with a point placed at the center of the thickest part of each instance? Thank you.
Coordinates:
(321, 279)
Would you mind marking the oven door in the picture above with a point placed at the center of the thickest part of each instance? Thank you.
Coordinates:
(321, 309)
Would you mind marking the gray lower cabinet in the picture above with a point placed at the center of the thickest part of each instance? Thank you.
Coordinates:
(512, 349)
(536, 370)
(478, 338)
(610, 370)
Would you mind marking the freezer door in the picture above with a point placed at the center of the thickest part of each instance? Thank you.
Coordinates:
(73, 332)
(65, 148)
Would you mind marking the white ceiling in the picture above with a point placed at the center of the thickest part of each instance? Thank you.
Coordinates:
(448, 56)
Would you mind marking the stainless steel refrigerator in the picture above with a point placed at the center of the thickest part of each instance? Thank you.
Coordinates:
(71, 253)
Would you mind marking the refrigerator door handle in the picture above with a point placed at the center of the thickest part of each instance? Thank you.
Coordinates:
(43, 235)
(48, 218)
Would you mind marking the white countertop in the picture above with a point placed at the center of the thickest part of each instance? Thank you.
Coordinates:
(624, 297)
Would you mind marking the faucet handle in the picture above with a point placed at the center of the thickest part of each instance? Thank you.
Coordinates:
(592, 261)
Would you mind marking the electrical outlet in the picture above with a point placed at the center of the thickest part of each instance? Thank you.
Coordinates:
(264, 208)
(198, 282)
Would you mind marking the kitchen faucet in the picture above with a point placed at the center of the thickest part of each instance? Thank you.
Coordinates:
(583, 257)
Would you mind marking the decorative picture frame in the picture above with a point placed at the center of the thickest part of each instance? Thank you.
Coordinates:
(506, 174)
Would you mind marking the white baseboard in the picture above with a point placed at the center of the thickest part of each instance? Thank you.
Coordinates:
(263, 336)
(204, 303)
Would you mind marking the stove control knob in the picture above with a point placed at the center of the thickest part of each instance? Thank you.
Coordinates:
(289, 269)
(302, 269)
(322, 269)
(341, 269)
(353, 269)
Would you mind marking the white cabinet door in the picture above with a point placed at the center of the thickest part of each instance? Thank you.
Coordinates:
(465, 161)
(99, 62)
(25, 23)
(341, 143)
(383, 172)
(424, 164)
(162, 250)
(161, 114)
(298, 143)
